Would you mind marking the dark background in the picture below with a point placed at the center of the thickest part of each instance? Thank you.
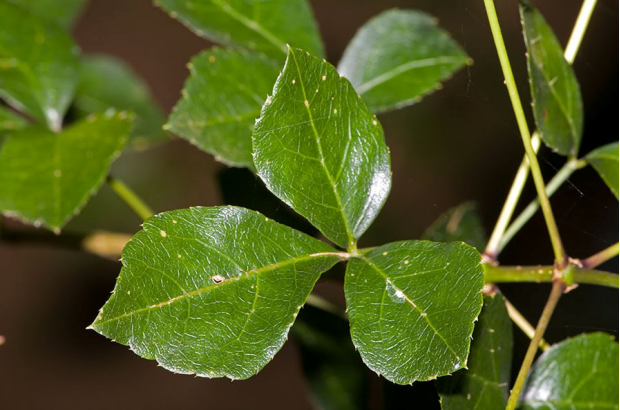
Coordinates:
(458, 144)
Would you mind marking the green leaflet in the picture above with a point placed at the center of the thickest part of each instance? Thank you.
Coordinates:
(412, 305)
(333, 370)
(319, 149)
(266, 26)
(107, 82)
(398, 57)
(484, 384)
(38, 65)
(605, 160)
(212, 291)
(221, 100)
(461, 223)
(46, 178)
(581, 372)
(556, 96)
(60, 12)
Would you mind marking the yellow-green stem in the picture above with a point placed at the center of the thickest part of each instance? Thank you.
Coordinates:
(543, 322)
(494, 246)
(498, 240)
(324, 304)
(130, 198)
(554, 234)
(579, 30)
(545, 273)
(601, 257)
(556, 182)
(524, 325)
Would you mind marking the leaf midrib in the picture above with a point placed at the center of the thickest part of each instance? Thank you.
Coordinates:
(253, 25)
(207, 288)
(410, 65)
(410, 301)
(350, 238)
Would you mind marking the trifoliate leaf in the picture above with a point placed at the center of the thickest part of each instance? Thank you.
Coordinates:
(212, 291)
(484, 384)
(319, 149)
(221, 100)
(398, 57)
(38, 65)
(266, 26)
(46, 178)
(556, 96)
(412, 307)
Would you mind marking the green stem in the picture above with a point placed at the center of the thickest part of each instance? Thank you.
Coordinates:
(540, 273)
(524, 325)
(496, 242)
(563, 174)
(601, 257)
(130, 198)
(494, 245)
(324, 304)
(554, 234)
(579, 30)
(543, 322)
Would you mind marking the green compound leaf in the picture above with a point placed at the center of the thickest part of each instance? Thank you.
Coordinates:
(266, 26)
(398, 57)
(46, 178)
(319, 149)
(60, 12)
(461, 223)
(484, 384)
(556, 96)
(605, 160)
(38, 65)
(412, 307)
(578, 373)
(212, 291)
(107, 82)
(221, 100)
(333, 370)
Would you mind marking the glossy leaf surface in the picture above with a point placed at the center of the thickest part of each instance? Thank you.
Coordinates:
(221, 100)
(412, 307)
(319, 149)
(605, 161)
(38, 65)
(259, 25)
(398, 57)
(212, 291)
(461, 223)
(484, 384)
(61, 12)
(556, 96)
(46, 178)
(107, 82)
(332, 368)
(578, 373)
